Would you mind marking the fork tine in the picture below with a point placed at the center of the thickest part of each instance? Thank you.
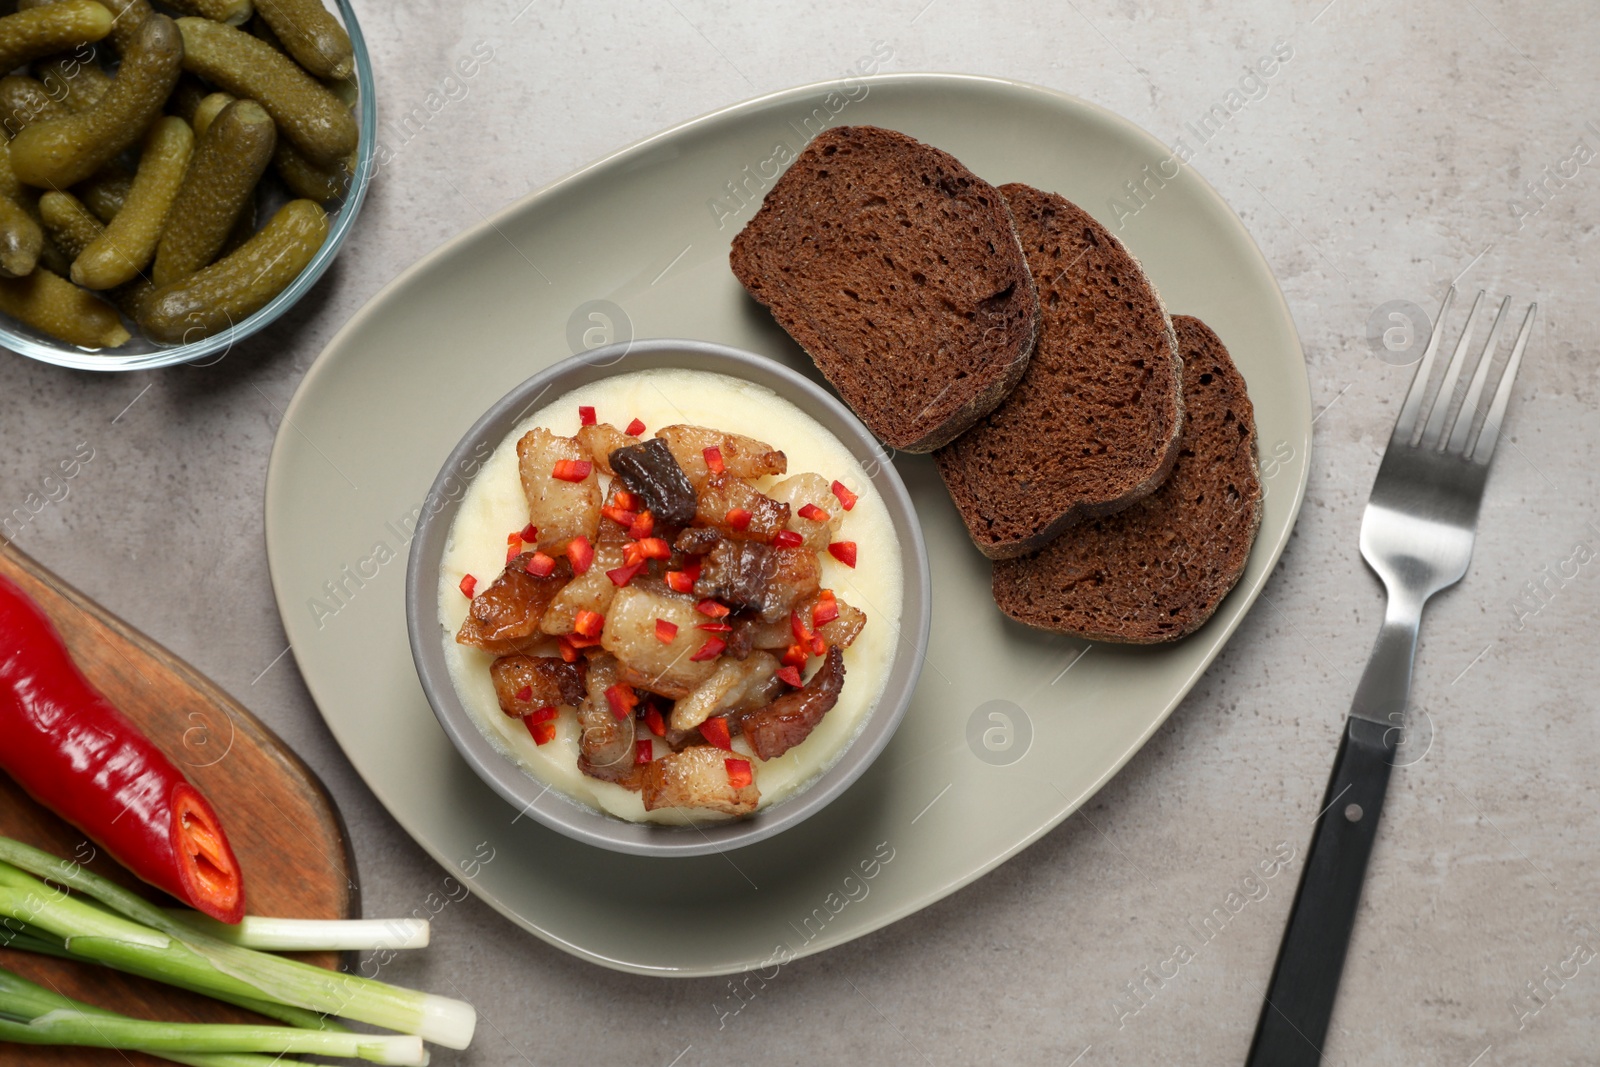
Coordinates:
(1407, 421)
(1441, 401)
(1469, 406)
(1483, 451)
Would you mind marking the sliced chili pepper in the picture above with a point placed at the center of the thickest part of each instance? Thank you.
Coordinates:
(635, 428)
(620, 516)
(713, 456)
(623, 575)
(844, 552)
(544, 714)
(530, 534)
(589, 623)
(580, 641)
(819, 647)
(790, 676)
(571, 470)
(710, 650)
(795, 656)
(75, 753)
(653, 719)
(540, 565)
(712, 608)
(513, 550)
(680, 582)
(585, 415)
(787, 539)
(715, 731)
(798, 627)
(814, 513)
(542, 732)
(654, 548)
(643, 752)
(825, 610)
(468, 586)
(569, 651)
(623, 698)
(738, 518)
(642, 526)
(580, 553)
(847, 499)
(739, 773)
(626, 500)
(525, 693)
(714, 627)
(666, 631)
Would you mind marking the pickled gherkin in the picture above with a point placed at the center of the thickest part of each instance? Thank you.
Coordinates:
(229, 159)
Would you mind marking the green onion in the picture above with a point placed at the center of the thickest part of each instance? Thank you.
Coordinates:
(145, 940)
(70, 1026)
(309, 935)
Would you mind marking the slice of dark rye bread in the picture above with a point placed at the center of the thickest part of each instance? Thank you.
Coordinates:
(1157, 570)
(898, 271)
(1093, 426)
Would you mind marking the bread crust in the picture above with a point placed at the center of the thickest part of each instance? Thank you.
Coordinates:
(900, 273)
(1158, 570)
(1093, 425)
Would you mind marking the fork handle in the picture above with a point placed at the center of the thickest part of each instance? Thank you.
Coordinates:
(1305, 980)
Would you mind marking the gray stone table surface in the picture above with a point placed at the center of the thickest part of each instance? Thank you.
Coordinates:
(1402, 147)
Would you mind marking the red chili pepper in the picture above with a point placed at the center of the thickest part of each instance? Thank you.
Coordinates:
(540, 565)
(825, 610)
(714, 627)
(643, 752)
(544, 714)
(525, 693)
(844, 552)
(710, 650)
(847, 499)
(814, 513)
(571, 470)
(654, 548)
(642, 526)
(542, 732)
(589, 623)
(586, 415)
(469, 586)
(790, 675)
(738, 518)
(623, 699)
(796, 656)
(569, 651)
(666, 631)
(798, 627)
(635, 428)
(623, 575)
(75, 753)
(739, 773)
(787, 539)
(580, 553)
(680, 582)
(713, 456)
(653, 719)
(619, 515)
(580, 641)
(715, 731)
(626, 500)
(712, 608)
(530, 534)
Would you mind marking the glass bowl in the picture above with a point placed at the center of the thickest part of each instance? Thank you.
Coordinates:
(140, 353)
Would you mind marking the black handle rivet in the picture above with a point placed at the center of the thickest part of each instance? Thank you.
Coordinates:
(1352, 812)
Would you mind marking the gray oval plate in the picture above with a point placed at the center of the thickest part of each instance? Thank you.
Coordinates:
(1010, 729)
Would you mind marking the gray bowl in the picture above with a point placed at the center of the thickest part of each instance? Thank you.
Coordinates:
(558, 811)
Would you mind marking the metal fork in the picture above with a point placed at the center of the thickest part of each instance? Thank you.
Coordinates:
(1417, 534)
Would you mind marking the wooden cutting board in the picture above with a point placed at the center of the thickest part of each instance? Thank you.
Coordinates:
(285, 830)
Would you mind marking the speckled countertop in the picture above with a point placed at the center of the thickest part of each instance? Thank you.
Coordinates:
(1393, 151)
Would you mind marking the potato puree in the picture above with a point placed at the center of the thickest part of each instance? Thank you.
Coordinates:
(494, 505)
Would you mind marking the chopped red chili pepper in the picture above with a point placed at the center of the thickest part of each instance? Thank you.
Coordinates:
(513, 551)
(795, 656)
(525, 693)
(787, 539)
(653, 719)
(580, 553)
(542, 732)
(643, 752)
(540, 565)
(713, 456)
(544, 714)
(710, 650)
(585, 415)
(580, 641)
(680, 582)
(712, 608)
(530, 534)
(715, 731)
(814, 513)
(790, 676)
(666, 631)
(653, 548)
(798, 627)
(642, 526)
(623, 575)
(819, 647)
(623, 699)
(825, 610)
(619, 515)
(571, 470)
(626, 500)
(589, 623)
(569, 651)
(514, 538)
(714, 627)
(468, 586)
(739, 773)
(844, 552)
(738, 518)
(847, 499)
(635, 428)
